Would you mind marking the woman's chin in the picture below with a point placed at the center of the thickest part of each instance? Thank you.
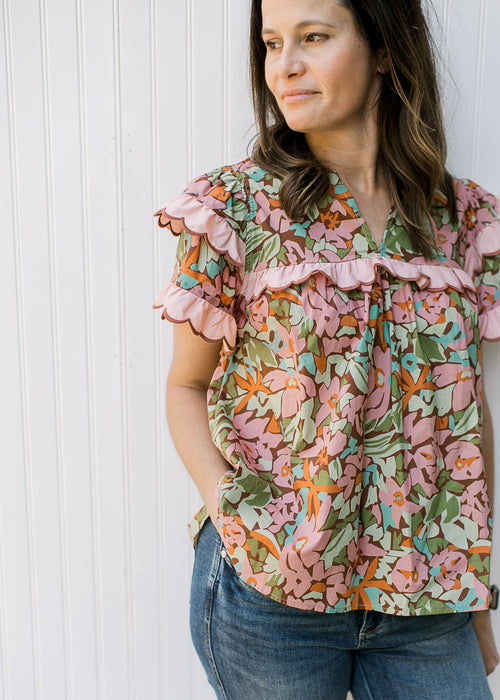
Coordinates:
(302, 125)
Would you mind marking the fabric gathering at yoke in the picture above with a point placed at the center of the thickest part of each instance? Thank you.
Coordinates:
(347, 399)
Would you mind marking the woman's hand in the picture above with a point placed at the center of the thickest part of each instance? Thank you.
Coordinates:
(484, 633)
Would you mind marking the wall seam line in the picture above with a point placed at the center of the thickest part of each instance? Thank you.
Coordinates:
(95, 524)
(158, 366)
(226, 90)
(190, 92)
(122, 287)
(478, 102)
(56, 354)
(4, 630)
(23, 372)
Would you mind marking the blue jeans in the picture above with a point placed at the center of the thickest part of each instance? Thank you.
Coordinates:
(254, 648)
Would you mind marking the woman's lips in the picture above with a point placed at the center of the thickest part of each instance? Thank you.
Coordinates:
(297, 96)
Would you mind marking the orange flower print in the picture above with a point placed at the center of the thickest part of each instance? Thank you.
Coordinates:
(470, 218)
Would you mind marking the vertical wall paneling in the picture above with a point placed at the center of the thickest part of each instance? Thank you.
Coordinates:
(110, 109)
(159, 368)
(488, 147)
(60, 683)
(124, 358)
(20, 583)
(478, 95)
(226, 84)
(89, 672)
(190, 86)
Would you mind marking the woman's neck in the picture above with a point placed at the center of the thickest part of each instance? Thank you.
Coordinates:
(354, 157)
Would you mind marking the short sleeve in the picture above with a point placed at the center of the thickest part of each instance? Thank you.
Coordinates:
(481, 239)
(208, 272)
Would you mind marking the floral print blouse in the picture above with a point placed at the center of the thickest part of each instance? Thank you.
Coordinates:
(347, 399)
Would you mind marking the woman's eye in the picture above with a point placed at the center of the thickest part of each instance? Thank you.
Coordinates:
(271, 45)
(314, 37)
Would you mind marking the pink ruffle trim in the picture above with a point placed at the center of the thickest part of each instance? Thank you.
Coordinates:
(350, 274)
(184, 211)
(211, 323)
(489, 324)
(487, 243)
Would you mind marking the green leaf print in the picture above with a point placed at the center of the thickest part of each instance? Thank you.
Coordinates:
(431, 350)
(261, 353)
(468, 422)
(452, 510)
(306, 327)
(437, 506)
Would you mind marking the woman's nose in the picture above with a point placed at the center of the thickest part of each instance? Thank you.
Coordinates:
(290, 62)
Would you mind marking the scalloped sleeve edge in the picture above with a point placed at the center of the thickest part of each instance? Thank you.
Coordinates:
(186, 212)
(213, 324)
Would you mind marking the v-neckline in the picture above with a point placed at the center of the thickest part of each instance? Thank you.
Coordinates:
(336, 181)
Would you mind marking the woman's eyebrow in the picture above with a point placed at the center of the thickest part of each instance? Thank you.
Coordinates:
(301, 25)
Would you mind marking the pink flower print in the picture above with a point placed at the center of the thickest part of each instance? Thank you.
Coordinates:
(329, 444)
(475, 505)
(328, 399)
(465, 461)
(368, 549)
(351, 475)
(452, 564)
(259, 312)
(255, 580)
(257, 442)
(396, 497)
(269, 209)
(298, 252)
(339, 226)
(213, 196)
(403, 307)
(298, 579)
(336, 583)
(316, 305)
(292, 344)
(411, 573)
(461, 381)
(284, 510)
(379, 390)
(432, 307)
(424, 469)
(296, 388)
(301, 561)
(282, 469)
(418, 428)
(317, 231)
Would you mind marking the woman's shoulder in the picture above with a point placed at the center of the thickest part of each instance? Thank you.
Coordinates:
(471, 196)
(476, 207)
(476, 232)
(241, 180)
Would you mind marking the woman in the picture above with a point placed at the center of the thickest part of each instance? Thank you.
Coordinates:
(337, 286)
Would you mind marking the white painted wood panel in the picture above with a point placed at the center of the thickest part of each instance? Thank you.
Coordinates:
(108, 108)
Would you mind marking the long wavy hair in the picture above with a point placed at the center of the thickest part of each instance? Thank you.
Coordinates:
(412, 143)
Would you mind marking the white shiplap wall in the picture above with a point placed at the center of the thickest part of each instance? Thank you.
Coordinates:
(108, 108)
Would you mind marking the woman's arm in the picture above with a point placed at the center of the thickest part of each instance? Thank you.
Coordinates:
(482, 621)
(193, 365)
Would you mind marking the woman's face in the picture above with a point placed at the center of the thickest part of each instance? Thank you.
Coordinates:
(318, 67)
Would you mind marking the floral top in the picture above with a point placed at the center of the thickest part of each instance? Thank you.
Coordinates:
(347, 399)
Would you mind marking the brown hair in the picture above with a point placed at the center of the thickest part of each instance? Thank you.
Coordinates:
(412, 143)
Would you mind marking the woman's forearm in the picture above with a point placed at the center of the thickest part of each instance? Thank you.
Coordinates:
(188, 422)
